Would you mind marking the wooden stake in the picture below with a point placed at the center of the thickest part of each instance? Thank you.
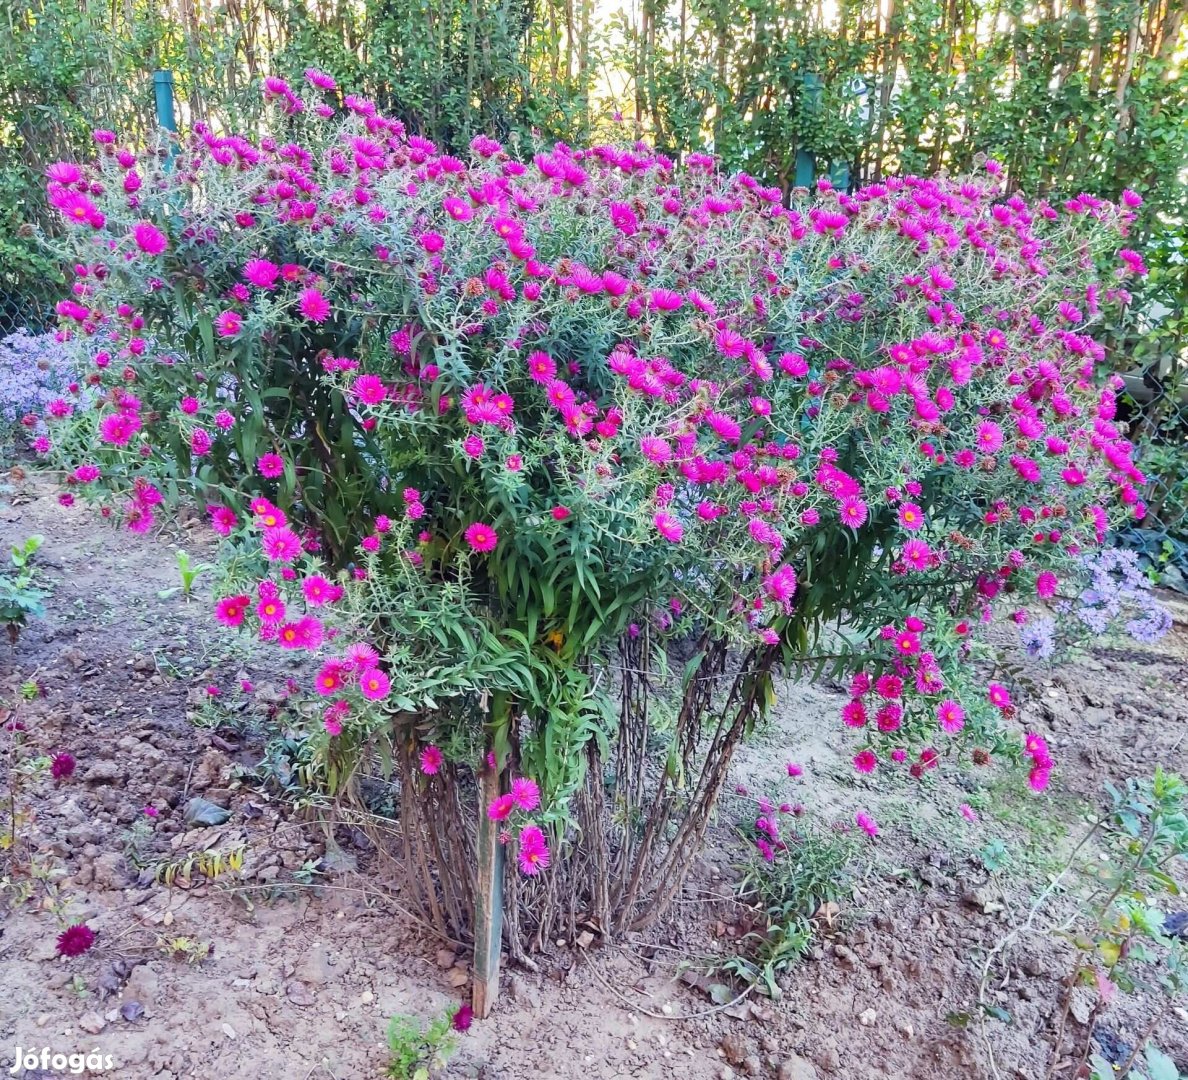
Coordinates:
(488, 901)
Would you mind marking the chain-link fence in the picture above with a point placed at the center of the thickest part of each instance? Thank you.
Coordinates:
(1155, 406)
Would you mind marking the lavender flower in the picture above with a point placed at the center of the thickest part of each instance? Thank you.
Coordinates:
(1120, 591)
(34, 369)
(1038, 637)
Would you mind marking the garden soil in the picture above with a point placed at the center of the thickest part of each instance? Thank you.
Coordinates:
(289, 967)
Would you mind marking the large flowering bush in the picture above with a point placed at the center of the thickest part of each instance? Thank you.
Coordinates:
(553, 463)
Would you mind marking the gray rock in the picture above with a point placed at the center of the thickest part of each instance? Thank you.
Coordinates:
(102, 772)
(828, 1059)
(108, 870)
(298, 993)
(200, 811)
(92, 1023)
(314, 967)
(796, 1068)
(142, 987)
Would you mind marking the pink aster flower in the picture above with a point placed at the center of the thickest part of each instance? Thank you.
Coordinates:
(989, 437)
(911, 517)
(270, 465)
(968, 813)
(318, 591)
(200, 442)
(230, 610)
(794, 770)
(281, 544)
(313, 305)
(369, 389)
(668, 527)
(501, 808)
(865, 761)
(917, 554)
(462, 1018)
(431, 760)
(261, 272)
(854, 713)
(360, 656)
(999, 697)
(149, 238)
(525, 794)
(534, 852)
(1045, 585)
(481, 537)
(374, 684)
(331, 678)
(62, 766)
(1038, 777)
(950, 715)
(228, 323)
(852, 512)
(867, 824)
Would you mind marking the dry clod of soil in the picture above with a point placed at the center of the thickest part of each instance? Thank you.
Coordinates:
(796, 1068)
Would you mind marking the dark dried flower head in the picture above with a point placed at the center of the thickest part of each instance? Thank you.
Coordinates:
(75, 940)
(463, 1018)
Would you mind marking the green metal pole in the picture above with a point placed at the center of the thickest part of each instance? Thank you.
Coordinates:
(806, 162)
(163, 92)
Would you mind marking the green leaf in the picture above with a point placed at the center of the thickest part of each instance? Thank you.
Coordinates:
(1159, 1065)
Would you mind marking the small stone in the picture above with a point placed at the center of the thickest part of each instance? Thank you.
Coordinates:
(131, 1011)
(904, 1028)
(457, 977)
(828, 1058)
(366, 998)
(229, 1031)
(108, 870)
(298, 993)
(868, 1017)
(734, 1048)
(796, 1068)
(585, 939)
(313, 968)
(102, 772)
(751, 1065)
(142, 987)
(92, 1023)
(725, 1073)
(201, 811)
(445, 958)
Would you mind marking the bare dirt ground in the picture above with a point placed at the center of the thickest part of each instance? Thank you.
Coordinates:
(307, 962)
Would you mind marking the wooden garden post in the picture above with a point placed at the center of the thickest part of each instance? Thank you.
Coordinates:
(488, 894)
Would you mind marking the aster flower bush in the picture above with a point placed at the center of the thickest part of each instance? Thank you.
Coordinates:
(555, 464)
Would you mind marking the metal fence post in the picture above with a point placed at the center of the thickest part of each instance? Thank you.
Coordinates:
(163, 92)
(806, 162)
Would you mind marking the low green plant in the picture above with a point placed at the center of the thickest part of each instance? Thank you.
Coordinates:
(20, 599)
(1121, 941)
(190, 572)
(415, 1050)
(790, 885)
